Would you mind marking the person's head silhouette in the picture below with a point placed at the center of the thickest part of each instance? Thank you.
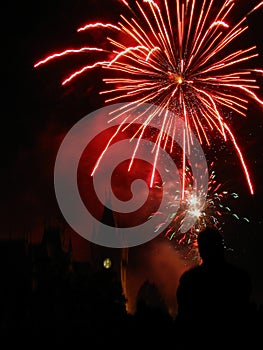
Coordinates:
(211, 246)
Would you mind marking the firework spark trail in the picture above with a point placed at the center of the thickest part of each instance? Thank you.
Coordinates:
(66, 52)
(179, 57)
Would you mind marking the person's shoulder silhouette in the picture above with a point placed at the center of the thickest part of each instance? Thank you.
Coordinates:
(215, 293)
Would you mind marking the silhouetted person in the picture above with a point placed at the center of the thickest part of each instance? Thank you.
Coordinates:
(213, 298)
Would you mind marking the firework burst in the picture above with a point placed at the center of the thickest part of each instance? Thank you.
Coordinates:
(205, 210)
(177, 55)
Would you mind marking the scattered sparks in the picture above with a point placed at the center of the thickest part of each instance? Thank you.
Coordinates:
(177, 55)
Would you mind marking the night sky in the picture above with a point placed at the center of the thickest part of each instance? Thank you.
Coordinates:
(37, 112)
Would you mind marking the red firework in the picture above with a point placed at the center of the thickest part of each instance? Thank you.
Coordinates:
(177, 55)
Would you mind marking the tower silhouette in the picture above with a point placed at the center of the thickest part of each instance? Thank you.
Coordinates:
(118, 257)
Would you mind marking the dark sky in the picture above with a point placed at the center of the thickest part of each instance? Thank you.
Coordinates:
(37, 111)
